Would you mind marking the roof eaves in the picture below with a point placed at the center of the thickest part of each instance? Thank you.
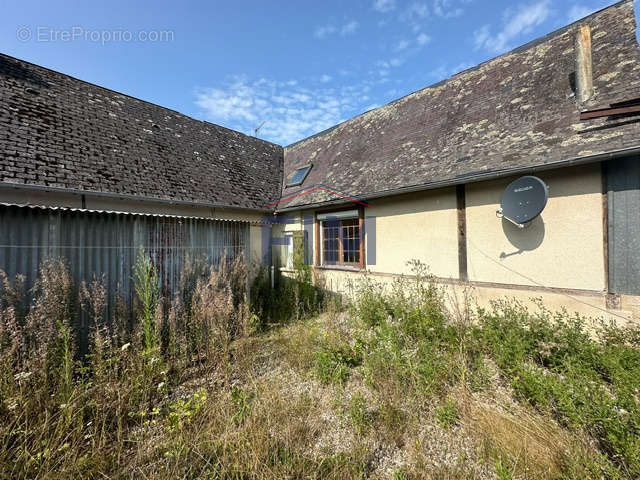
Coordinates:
(133, 214)
(476, 177)
(124, 196)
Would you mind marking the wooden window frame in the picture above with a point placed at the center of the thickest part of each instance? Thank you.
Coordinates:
(319, 240)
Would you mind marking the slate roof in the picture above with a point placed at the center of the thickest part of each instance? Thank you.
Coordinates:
(58, 131)
(517, 110)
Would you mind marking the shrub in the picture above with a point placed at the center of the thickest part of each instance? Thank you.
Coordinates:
(447, 414)
(333, 363)
(587, 382)
(358, 413)
(147, 286)
(502, 471)
(182, 412)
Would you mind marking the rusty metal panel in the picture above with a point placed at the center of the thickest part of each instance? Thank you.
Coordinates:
(95, 243)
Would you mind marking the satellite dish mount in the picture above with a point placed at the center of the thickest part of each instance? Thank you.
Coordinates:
(523, 200)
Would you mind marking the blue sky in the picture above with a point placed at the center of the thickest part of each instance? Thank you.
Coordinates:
(298, 66)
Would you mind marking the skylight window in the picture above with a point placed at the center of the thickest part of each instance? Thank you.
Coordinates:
(299, 176)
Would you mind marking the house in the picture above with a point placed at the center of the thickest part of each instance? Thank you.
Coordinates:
(433, 165)
(420, 178)
(91, 175)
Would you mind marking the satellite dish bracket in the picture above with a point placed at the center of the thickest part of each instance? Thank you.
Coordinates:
(500, 215)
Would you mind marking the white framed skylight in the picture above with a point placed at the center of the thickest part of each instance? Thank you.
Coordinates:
(299, 175)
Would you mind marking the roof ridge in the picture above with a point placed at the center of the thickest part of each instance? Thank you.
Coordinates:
(131, 97)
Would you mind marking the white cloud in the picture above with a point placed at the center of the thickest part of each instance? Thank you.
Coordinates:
(415, 15)
(446, 9)
(419, 10)
(384, 6)
(576, 12)
(423, 39)
(349, 28)
(291, 112)
(521, 22)
(326, 78)
(325, 31)
(415, 11)
(401, 45)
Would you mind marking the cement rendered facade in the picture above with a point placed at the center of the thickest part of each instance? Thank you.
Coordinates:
(560, 258)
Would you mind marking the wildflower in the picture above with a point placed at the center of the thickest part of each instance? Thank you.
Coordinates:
(22, 376)
(125, 346)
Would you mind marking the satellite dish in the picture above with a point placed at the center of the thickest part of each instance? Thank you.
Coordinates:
(523, 200)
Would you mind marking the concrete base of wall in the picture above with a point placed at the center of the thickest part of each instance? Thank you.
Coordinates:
(621, 309)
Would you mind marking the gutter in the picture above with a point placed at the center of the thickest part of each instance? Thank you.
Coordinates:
(477, 177)
(124, 196)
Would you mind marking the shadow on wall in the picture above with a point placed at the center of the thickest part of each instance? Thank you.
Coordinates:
(523, 239)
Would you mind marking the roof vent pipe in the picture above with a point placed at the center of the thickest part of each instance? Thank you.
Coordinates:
(584, 73)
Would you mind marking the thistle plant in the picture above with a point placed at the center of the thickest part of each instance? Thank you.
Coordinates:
(147, 288)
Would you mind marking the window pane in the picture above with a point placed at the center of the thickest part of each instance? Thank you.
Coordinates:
(330, 246)
(341, 241)
(350, 241)
(299, 175)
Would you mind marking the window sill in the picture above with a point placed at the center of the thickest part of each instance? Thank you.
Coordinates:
(343, 268)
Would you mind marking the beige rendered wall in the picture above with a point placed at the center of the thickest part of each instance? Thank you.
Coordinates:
(420, 226)
(563, 248)
(288, 222)
(256, 255)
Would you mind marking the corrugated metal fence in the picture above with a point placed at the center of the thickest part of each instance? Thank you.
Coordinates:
(94, 243)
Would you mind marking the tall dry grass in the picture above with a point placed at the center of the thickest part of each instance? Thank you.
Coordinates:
(64, 416)
(209, 385)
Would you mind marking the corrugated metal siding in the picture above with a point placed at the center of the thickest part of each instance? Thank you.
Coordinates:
(96, 243)
(623, 190)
